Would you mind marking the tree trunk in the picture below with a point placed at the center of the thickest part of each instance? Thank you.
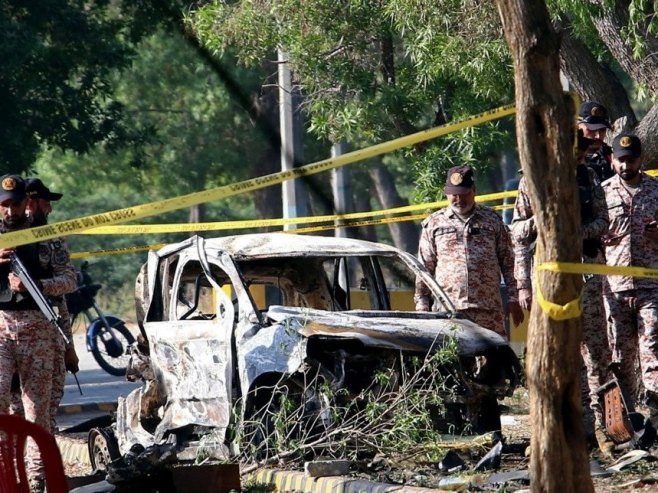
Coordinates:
(405, 234)
(362, 204)
(646, 130)
(612, 26)
(558, 460)
(268, 200)
(590, 79)
(197, 214)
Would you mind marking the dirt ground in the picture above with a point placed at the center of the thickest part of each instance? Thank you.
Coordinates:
(641, 476)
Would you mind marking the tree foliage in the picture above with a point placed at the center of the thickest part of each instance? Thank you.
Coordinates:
(372, 71)
(193, 138)
(57, 58)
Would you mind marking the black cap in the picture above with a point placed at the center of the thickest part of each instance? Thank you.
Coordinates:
(626, 145)
(35, 189)
(12, 187)
(594, 115)
(459, 180)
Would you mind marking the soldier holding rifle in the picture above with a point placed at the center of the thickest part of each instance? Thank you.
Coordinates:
(29, 344)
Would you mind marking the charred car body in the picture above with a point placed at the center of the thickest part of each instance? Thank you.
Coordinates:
(212, 351)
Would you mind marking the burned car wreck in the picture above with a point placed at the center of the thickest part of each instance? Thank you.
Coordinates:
(232, 324)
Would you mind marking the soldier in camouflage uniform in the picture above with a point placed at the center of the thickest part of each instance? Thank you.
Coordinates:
(593, 122)
(594, 347)
(473, 248)
(632, 240)
(38, 208)
(29, 344)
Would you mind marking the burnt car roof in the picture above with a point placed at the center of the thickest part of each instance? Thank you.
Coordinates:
(253, 246)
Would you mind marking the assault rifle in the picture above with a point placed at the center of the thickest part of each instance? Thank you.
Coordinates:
(42, 302)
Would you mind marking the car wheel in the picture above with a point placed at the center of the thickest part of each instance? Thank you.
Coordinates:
(103, 448)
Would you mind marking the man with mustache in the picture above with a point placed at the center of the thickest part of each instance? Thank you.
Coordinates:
(39, 208)
(29, 345)
(467, 248)
(632, 302)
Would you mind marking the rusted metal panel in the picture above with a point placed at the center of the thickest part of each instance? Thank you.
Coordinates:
(615, 413)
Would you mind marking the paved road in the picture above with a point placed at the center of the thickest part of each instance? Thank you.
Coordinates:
(98, 387)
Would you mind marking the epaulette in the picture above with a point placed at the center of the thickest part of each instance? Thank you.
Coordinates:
(429, 218)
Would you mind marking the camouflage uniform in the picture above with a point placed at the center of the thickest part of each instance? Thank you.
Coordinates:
(473, 255)
(29, 344)
(632, 302)
(524, 235)
(59, 377)
(594, 347)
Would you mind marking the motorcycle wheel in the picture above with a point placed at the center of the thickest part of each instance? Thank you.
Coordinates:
(111, 358)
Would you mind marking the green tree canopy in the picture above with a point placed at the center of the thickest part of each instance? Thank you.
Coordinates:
(56, 60)
(372, 71)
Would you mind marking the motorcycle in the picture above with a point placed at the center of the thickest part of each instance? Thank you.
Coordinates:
(107, 336)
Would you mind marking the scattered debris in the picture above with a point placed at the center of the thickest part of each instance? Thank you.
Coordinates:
(451, 463)
(615, 412)
(630, 458)
(597, 471)
(492, 459)
(459, 483)
(320, 468)
(505, 477)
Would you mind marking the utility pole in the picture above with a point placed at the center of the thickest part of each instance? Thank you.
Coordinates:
(341, 189)
(294, 193)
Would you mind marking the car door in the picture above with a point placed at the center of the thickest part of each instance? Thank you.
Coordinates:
(191, 347)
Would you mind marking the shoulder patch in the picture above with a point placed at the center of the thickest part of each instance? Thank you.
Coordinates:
(431, 217)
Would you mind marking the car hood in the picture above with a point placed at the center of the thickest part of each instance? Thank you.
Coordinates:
(411, 331)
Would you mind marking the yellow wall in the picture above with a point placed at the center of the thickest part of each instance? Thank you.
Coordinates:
(400, 300)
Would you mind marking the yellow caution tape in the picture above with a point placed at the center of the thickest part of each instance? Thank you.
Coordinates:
(572, 309)
(357, 224)
(599, 269)
(164, 228)
(266, 223)
(74, 226)
(117, 251)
